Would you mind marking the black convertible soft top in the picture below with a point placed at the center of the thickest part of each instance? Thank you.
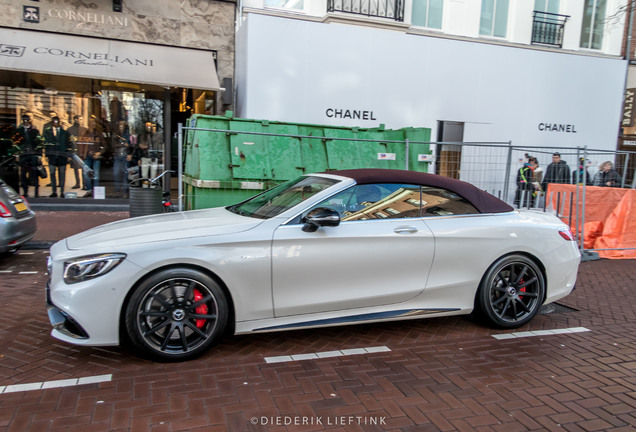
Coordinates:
(483, 201)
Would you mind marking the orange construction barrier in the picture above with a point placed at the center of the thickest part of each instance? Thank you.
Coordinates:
(609, 216)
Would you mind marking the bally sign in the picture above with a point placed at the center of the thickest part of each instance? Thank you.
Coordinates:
(628, 109)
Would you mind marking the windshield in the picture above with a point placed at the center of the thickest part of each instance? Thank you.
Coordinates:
(283, 197)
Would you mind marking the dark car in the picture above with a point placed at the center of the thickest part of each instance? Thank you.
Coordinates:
(17, 220)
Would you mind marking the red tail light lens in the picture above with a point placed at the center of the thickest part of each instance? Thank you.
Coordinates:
(4, 211)
(566, 234)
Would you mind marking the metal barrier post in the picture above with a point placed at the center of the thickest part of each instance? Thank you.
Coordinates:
(507, 176)
(579, 228)
(406, 154)
(625, 169)
(180, 169)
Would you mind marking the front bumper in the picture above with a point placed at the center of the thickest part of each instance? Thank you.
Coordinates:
(63, 324)
(87, 313)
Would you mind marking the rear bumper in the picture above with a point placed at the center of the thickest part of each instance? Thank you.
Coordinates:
(16, 232)
(562, 272)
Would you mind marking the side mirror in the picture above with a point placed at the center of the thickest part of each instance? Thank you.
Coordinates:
(320, 217)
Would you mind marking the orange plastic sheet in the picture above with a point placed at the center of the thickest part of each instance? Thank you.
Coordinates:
(609, 216)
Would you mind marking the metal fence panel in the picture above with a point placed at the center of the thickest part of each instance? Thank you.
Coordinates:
(491, 166)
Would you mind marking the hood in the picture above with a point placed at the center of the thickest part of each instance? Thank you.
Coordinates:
(162, 227)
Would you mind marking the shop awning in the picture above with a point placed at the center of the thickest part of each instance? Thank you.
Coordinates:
(31, 51)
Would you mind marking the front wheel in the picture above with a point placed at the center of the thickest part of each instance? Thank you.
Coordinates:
(511, 292)
(176, 314)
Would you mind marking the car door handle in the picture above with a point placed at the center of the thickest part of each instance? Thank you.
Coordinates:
(405, 230)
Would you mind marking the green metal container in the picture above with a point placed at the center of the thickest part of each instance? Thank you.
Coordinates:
(228, 160)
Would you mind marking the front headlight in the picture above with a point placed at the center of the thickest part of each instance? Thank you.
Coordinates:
(81, 269)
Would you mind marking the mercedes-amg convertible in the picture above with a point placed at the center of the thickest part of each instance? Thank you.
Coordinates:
(327, 249)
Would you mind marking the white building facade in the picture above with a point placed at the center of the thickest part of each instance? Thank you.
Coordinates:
(538, 73)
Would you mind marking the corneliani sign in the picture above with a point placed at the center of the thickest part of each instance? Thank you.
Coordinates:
(88, 17)
(69, 55)
(94, 58)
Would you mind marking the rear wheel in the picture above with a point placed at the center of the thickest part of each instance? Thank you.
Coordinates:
(176, 314)
(511, 292)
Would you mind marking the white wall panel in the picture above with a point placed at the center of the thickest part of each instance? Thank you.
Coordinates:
(295, 70)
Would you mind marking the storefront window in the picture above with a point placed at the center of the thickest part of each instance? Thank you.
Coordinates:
(86, 134)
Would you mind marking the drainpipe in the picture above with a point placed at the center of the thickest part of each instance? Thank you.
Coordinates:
(628, 48)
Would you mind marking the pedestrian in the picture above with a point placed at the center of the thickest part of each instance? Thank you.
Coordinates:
(525, 188)
(537, 174)
(580, 175)
(27, 139)
(58, 143)
(607, 176)
(557, 172)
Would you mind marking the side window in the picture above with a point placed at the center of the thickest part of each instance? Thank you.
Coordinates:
(441, 202)
(376, 201)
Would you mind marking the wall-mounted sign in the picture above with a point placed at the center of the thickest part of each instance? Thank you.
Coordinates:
(31, 14)
(628, 108)
(557, 127)
(89, 17)
(353, 114)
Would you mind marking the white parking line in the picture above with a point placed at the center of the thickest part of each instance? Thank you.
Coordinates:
(28, 272)
(6, 271)
(326, 354)
(55, 384)
(540, 333)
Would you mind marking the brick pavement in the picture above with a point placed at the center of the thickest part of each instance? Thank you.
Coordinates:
(441, 374)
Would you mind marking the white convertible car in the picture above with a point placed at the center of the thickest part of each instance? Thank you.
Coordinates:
(335, 248)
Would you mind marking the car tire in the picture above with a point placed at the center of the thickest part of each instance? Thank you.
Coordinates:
(176, 314)
(511, 292)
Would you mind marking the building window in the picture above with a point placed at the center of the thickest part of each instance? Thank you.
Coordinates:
(428, 13)
(494, 18)
(551, 6)
(593, 20)
(285, 4)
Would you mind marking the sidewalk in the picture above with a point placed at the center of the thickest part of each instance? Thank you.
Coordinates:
(57, 225)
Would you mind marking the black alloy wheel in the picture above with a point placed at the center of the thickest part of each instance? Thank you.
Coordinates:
(176, 314)
(511, 292)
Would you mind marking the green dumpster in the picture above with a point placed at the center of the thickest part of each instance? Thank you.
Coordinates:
(228, 159)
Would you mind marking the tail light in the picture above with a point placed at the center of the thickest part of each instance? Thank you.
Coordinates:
(4, 211)
(566, 234)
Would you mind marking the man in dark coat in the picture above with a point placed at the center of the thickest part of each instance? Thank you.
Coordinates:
(58, 144)
(607, 176)
(557, 172)
(27, 139)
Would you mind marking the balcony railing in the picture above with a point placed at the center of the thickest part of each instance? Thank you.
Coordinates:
(547, 28)
(391, 9)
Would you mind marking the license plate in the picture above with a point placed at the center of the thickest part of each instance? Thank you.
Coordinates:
(20, 207)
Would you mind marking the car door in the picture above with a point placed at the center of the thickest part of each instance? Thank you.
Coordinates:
(380, 253)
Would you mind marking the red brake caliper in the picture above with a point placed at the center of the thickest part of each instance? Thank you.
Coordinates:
(202, 309)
